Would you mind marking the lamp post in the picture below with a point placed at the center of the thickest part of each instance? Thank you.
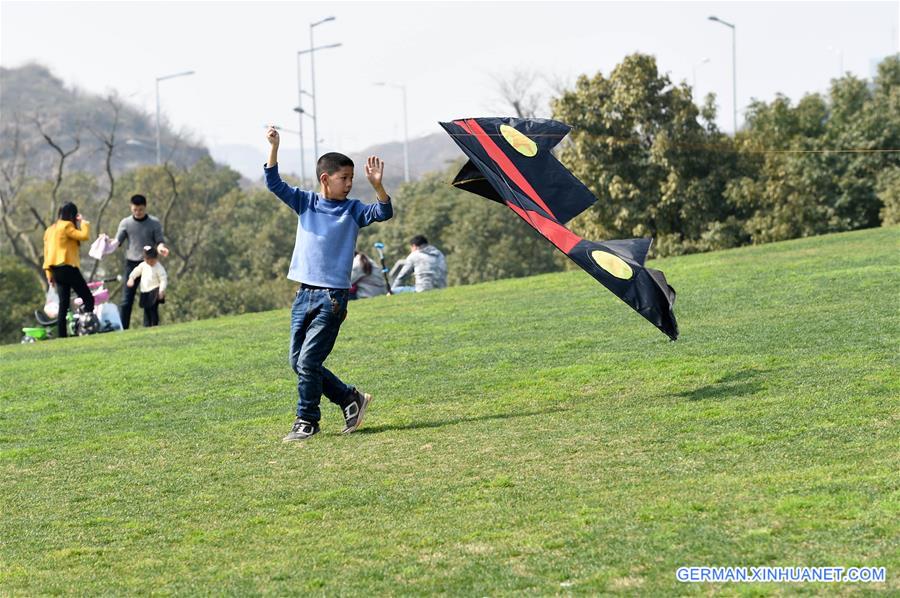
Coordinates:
(158, 79)
(733, 67)
(402, 88)
(312, 72)
(300, 110)
(694, 72)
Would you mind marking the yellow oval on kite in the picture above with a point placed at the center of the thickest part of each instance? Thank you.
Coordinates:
(520, 142)
(612, 264)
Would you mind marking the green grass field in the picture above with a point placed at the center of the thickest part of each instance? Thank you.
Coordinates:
(527, 436)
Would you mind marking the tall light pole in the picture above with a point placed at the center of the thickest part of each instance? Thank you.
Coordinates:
(402, 88)
(694, 72)
(300, 110)
(733, 66)
(312, 72)
(158, 79)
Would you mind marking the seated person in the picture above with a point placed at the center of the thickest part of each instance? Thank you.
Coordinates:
(428, 265)
(366, 277)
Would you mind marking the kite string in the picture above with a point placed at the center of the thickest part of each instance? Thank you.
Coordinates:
(722, 147)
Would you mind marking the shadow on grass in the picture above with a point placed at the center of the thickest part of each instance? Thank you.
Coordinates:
(455, 420)
(741, 383)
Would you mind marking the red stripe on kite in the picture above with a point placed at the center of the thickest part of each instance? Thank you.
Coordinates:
(552, 230)
(502, 161)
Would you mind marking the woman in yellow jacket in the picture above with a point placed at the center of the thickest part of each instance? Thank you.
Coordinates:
(61, 260)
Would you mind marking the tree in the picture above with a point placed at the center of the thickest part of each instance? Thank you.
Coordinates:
(823, 165)
(638, 145)
(888, 191)
(18, 289)
(25, 214)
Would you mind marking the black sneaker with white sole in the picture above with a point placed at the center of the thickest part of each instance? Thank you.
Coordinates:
(301, 430)
(354, 411)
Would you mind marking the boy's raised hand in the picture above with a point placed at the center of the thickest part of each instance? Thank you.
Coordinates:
(375, 171)
(272, 136)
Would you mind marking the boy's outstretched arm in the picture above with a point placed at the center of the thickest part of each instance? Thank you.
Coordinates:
(274, 140)
(375, 173)
(382, 209)
(292, 196)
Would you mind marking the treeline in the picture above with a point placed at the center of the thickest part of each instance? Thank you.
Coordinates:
(656, 161)
(660, 167)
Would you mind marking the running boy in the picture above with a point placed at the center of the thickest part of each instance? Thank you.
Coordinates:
(327, 226)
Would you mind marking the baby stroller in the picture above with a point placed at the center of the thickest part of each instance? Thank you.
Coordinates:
(80, 322)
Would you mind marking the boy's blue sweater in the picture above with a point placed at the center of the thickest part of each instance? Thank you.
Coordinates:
(326, 232)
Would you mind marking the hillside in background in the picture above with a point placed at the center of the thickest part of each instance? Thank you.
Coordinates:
(528, 437)
(32, 92)
(431, 153)
(426, 154)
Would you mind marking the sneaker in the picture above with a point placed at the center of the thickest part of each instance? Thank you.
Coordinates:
(354, 412)
(301, 430)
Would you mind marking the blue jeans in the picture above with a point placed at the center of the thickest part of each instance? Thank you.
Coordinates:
(316, 319)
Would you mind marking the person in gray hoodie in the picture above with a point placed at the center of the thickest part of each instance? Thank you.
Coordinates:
(427, 263)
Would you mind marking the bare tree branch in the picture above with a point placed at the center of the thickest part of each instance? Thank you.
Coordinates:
(14, 171)
(173, 200)
(54, 205)
(22, 244)
(109, 143)
(518, 90)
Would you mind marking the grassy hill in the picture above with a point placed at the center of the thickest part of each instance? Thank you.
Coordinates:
(530, 435)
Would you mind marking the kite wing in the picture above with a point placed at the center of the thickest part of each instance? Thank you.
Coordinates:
(510, 162)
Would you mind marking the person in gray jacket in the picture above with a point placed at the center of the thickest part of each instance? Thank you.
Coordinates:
(141, 229)
(427, 263)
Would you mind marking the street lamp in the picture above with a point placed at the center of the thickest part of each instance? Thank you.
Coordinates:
(694, 71)
(300, 110)
(312, 72)
(402, 88)
(158, 79)
(733, 67)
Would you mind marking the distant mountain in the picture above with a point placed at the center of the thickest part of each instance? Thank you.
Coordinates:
(246, 159)
(426, 154)
(33, 92)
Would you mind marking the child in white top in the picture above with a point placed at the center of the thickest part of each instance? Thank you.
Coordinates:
(153, 281)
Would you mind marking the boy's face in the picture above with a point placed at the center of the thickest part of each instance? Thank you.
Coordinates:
(151, 261)
(338, 185)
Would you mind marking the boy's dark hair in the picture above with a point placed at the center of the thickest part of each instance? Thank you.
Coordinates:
(419, 241)
(150, 252)
(330, 163)
(139, 200)
(68, 211)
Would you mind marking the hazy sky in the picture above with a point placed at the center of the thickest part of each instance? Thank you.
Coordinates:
(448, 54)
